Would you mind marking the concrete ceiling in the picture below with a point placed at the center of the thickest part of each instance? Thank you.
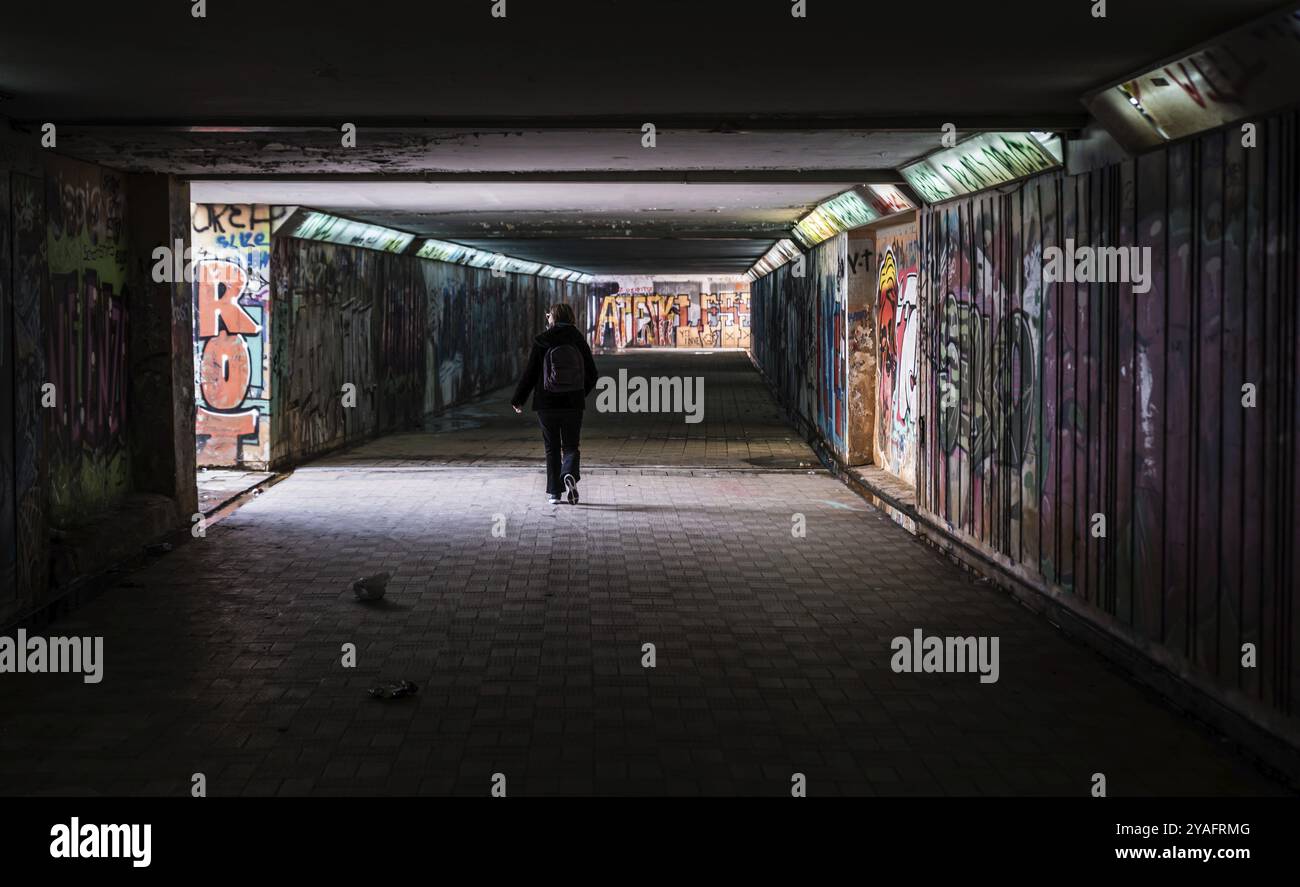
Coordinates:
(457, 210)
(597, 227)
(327, 60)
(523, 135)
(420, 151)
(747, 188)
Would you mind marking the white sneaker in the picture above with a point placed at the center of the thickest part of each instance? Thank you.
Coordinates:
(572, 486)
(552, 500)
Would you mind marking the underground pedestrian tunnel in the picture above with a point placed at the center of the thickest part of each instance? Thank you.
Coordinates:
(945, 442)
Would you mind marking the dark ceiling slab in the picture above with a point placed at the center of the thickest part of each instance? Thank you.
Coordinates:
(868, 156)
(323, 60)
(459, 210)
(785, 111)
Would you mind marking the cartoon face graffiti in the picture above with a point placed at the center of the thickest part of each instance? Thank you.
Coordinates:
(897, 332)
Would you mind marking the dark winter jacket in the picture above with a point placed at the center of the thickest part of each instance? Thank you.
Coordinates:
(560, 334)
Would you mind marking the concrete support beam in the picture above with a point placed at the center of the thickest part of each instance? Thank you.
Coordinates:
(162, 350)
(848, 176)
(720, 121)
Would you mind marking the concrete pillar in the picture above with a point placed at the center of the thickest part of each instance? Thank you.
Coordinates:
(162, 349)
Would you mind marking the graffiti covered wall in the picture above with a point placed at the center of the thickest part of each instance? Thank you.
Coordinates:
(8, 527)
(481, 328)
(829, 300)
(985, 318)
(29, 270)
(635, 313)
(324, 299)
(897, 334)
(86, 339)
(400, 345)
(1129, 443)
(551, 291)
(232, 333)
(801, 339)
(413, 336)
(860, 385)
(1054, 403)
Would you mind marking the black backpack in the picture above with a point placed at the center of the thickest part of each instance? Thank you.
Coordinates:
(563, 370)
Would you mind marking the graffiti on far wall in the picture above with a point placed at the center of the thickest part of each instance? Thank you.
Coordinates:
(644, 319)
(232, 332)
(413, 336)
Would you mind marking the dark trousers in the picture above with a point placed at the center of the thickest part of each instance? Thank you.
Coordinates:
(560, 432)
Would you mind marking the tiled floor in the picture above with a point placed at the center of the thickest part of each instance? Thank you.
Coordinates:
(524, 626)
(219, 486)
(742, 427)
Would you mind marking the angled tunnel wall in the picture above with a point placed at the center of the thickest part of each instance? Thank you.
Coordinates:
(800, 336)
(1169, 407)
(414, 336)
(1170, 411)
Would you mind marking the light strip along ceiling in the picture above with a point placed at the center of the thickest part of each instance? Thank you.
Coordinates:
(852, 209)
(983, 161)
(784, 251)
(335, 229)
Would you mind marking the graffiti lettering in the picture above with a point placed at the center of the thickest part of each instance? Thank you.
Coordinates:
(646, 319)
(987, 385)
(223, 218)
(231, 332)
(85, 340)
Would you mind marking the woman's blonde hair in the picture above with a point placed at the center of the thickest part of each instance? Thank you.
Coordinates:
(562, 313)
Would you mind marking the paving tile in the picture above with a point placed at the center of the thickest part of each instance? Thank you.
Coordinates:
(224, 656)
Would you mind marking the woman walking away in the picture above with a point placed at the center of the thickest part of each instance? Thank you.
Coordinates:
(563, 373)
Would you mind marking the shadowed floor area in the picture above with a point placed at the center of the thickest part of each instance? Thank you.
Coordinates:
(524, 626)
(741, 427)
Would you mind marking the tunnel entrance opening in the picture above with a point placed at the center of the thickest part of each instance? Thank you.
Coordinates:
(231, 262)
(670, 312)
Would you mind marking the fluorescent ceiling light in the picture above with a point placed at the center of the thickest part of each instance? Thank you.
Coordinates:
(1244, 74)
(458, 254)
(983, 161)
(840, 213)
(784, 251)
(843, 212)
(333, 229)
(849, 210)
